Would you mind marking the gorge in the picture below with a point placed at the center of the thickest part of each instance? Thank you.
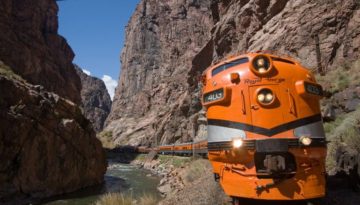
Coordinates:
(52, 114)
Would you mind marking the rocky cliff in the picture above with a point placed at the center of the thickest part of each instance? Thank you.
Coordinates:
(95, 99)
(47, 147)
(29, 43)
(169, 44)
(152, 98)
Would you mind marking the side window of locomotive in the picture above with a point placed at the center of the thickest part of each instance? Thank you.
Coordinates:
(228, 65)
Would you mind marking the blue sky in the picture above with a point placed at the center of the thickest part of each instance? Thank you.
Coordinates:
(95, 31)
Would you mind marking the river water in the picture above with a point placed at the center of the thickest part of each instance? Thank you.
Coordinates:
(123, 178)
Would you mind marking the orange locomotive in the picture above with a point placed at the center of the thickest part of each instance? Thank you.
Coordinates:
(265, 134)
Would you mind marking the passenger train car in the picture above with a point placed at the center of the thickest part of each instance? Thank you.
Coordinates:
(265, 134)
(183, 149)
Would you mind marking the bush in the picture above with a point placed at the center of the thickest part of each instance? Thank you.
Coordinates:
(195, 170)
(342, 77)
(344, 131)
(106, 139)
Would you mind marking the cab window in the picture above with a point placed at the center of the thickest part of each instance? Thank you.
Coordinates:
(228, 65)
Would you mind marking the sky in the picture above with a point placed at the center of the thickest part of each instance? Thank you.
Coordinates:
(95, 30)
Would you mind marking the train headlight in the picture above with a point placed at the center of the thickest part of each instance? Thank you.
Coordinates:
(237, 143)
(305, 140)
(261, 97)
(265, 96)
(261, 64)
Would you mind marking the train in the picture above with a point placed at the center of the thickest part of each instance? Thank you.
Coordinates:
(182, 149)
(266, 139)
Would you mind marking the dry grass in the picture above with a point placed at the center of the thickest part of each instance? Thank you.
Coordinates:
(200, 187)
(120, 199)
(195, 170)
(147, 199)
(175, 161)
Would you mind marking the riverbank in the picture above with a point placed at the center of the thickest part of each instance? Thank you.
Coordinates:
(124, 183)
(184, 180)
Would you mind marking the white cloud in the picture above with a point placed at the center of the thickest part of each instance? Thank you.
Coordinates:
(86, 72)
(110, 85)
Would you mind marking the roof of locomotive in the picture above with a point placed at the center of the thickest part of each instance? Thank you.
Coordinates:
(249, 55)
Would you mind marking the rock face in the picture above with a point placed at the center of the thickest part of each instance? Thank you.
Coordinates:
(47, 147)
(29, 43)
(95, 99)
(152, 98)
(170, 43)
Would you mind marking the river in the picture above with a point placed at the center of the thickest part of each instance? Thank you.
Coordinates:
(124, 178)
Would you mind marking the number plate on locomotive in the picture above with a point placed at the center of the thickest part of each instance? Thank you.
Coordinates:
(313, 89)
(214, 95)
(272, 145)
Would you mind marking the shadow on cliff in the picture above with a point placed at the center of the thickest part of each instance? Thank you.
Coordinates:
(122, 154)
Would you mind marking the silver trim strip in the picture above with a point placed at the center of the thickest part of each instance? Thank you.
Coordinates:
(221, 134)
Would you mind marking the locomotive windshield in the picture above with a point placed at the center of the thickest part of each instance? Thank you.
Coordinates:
(228, 65)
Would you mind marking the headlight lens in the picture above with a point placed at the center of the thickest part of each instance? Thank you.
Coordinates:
(305, 140)
(237, 143)
(261, 97)
(265, 96)
(261, 64)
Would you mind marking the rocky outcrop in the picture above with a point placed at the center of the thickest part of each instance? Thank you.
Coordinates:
(29, 43)
(95, 99)
(152, 98)
(170, 43)
(47, 147)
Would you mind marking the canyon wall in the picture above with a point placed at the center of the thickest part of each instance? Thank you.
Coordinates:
(47, 146)
(31, 46)
(153, 98)
(170, 43)
(95, 99)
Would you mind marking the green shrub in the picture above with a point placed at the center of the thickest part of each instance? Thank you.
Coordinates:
(8, 72)
(343, 81)
(106, 138)
(176, 161)
(343, 131)
(340, 78)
